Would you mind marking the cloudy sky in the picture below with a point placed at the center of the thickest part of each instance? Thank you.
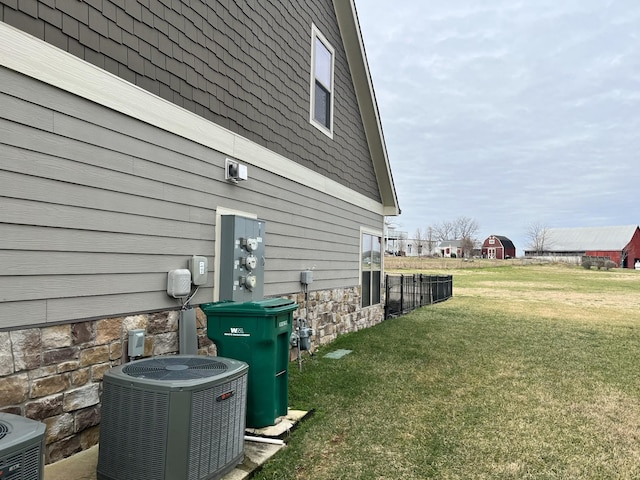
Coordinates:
(510, 112)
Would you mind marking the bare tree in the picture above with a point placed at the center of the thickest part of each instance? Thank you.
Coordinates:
(538, 234)
(419, 241)
(466, 230)
(444, 231)
(462, 228)
(402, 244)
(429, 240)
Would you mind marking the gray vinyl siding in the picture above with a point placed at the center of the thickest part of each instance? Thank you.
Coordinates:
(96, 208)
(243, 65)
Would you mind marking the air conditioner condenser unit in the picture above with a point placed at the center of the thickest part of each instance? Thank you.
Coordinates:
(21, 448)
(173, 417)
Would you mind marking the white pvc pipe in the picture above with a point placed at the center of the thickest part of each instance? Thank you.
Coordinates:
(272, 441)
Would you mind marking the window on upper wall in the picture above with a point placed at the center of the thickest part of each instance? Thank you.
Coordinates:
(322, 64)
(371, 268)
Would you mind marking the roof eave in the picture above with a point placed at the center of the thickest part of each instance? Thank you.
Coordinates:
(356, 56)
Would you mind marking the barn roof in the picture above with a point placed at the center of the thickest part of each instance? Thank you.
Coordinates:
(588, 238)
(506, 242)
(450, 243)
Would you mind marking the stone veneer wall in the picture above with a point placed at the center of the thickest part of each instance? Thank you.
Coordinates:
(334, 312)
(54, 373)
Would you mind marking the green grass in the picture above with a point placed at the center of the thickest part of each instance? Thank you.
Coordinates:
(526, 382)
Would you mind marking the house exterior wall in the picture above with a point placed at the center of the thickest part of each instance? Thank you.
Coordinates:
(105, 186)
(448, 250)
(242, 65)
(93, 217)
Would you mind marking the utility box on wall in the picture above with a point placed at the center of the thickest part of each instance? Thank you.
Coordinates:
(241, 259)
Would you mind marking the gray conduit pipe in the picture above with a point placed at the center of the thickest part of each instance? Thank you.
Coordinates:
(272, 441)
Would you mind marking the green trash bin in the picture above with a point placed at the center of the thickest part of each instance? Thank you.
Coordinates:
(257, 333)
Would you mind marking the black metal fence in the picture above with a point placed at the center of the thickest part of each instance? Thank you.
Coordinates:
(404, 293)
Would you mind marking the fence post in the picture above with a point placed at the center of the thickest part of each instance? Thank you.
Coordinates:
(386, 296)
(431, 290)
(401, 293)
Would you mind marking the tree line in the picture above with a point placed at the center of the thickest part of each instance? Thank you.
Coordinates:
(463, 229)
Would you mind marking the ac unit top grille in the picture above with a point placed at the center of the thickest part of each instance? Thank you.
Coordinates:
(175, 368)
(4, 430)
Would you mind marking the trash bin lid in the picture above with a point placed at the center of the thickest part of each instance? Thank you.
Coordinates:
(269, 306)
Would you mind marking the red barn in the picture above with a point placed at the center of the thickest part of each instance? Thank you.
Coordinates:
(620, 244)
(498, 247)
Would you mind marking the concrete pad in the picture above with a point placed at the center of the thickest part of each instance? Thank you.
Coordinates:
(282, 427)
(83, 465)
(338, 353)
(255, 455)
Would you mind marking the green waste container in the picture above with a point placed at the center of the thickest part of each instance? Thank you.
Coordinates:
(257, 333)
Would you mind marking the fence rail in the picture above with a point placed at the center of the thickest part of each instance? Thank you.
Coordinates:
(404, 293)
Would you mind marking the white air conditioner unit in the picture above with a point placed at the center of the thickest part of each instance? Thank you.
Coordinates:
(21, 448)
(173, 417)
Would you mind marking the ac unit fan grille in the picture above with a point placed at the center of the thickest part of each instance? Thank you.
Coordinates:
(4, 429)
(175, 368)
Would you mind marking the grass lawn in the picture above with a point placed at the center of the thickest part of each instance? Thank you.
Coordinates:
(527, 372)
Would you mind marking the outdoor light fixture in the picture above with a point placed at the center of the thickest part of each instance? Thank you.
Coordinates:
(234, 171)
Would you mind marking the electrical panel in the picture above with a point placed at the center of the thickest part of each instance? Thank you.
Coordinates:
(306, 277)
(135, 346)
(241, 259)
(198, 267)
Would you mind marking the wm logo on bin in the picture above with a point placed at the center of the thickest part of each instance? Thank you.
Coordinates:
(237, 332)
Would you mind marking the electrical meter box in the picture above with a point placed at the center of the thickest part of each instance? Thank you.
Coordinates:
(241, 258)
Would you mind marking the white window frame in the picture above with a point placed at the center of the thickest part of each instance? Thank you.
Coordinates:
(317, 35)
(378, 234)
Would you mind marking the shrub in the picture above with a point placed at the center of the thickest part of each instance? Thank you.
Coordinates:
(586, 263)
(610, 264)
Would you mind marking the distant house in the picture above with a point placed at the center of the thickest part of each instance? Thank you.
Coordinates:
(498, 247)
(419, 248)
(450, 249)
(395, 242)
(620, 244)
(415, 248)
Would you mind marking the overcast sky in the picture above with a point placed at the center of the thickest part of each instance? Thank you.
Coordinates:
(509, 112)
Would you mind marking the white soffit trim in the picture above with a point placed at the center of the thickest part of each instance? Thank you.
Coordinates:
(37, 59)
